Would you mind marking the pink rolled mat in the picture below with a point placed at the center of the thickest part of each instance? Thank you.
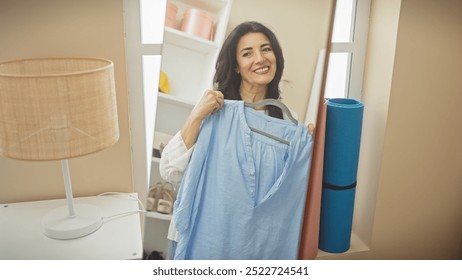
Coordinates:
(309, 241)
(308, 248)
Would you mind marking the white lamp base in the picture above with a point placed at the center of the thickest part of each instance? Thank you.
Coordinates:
(57, 224)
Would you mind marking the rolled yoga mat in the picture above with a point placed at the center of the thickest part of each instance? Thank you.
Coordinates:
(341, 154)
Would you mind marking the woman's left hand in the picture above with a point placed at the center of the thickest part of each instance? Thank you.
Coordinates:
(311, 128)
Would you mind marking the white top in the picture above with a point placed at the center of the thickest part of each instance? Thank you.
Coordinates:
(173, 162)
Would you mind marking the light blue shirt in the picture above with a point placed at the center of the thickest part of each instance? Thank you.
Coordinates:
(243, 194)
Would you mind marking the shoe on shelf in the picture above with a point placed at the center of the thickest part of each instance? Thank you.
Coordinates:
(155, 193)
(160, 198)
(165, 204)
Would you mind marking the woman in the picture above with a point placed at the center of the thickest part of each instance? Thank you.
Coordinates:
(249, 67)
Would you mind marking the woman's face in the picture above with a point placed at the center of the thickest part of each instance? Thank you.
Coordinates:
(256, 62)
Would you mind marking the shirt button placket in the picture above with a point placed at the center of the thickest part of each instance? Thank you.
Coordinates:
(252, 179)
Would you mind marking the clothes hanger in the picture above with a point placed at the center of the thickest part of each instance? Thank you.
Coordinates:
(267, 101)
(283, 141)
(274, 102)
(277, 103)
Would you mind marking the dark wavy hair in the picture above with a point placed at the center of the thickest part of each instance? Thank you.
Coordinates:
(229, 80)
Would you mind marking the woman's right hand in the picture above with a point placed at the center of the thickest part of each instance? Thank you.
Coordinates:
(210, 102)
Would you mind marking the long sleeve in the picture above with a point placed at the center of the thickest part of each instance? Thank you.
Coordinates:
(174, 160)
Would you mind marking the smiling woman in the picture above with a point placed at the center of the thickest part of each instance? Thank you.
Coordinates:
(257, 66)
(302, 30)
(250, 65)
(238, 162)
(189, 63)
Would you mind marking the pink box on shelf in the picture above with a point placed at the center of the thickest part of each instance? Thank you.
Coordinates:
(198, 22)
(170, 18)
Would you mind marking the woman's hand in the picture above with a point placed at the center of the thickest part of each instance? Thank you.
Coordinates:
(311, 128)
(210, 102)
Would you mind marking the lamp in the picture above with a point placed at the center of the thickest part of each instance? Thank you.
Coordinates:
(57, 109)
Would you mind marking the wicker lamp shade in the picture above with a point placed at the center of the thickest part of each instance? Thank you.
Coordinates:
(57, 108)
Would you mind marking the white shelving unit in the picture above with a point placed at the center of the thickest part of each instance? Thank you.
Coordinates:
(155, 160)
(175, 101)
(184, 40)
(189, 63)
(159, 216)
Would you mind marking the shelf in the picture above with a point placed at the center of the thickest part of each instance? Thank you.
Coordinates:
(356, 245)
(173, 100)
(185, 40)
(189, 61)
(212, 6)
(158, 216)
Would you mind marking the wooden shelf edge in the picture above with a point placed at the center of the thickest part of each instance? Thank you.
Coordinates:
(180, 38)
(171, 99)
(356, 245)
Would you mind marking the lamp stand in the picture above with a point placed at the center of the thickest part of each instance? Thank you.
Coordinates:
(71, 221)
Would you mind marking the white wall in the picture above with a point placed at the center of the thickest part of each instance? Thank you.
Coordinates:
(419, 201)
(68, 28)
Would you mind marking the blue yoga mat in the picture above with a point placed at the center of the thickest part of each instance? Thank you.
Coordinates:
(341, 154)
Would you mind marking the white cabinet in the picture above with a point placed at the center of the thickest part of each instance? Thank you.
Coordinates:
(189, 63)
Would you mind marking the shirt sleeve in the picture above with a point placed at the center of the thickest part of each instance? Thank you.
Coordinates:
(191, 190)
(174, 159)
